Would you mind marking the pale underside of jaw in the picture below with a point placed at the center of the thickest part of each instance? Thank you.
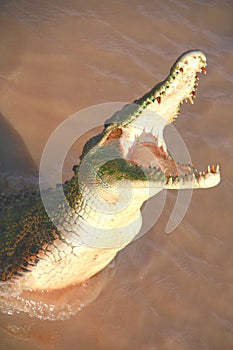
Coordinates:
(142, 141)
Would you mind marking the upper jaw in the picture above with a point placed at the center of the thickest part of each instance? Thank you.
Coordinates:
(161, 105)
(181, 84)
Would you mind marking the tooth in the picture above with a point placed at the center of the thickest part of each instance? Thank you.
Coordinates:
(203, 70)
(217, 169)
(212, 169)
(208, 169)
(170, 181)
(191, 100)
(186, 100)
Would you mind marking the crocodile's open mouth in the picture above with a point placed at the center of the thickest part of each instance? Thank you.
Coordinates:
(142, 140)
(135, 133)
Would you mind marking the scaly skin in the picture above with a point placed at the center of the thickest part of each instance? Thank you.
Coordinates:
(105, 194)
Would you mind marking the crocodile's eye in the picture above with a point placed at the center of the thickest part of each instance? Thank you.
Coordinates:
(115, 134)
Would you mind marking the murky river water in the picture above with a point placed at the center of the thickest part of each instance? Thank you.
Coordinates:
(162, 292)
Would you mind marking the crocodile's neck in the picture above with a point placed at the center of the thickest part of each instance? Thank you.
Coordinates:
(89, 239)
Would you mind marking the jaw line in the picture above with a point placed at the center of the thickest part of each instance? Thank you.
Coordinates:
(161, 105)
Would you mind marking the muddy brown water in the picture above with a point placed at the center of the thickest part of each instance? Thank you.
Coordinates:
(162, 292)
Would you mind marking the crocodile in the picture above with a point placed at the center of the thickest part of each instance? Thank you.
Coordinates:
(119, 169)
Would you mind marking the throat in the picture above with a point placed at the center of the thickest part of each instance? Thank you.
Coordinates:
(148, 154)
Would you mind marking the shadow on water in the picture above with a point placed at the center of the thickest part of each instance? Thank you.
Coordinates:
(14, 156)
